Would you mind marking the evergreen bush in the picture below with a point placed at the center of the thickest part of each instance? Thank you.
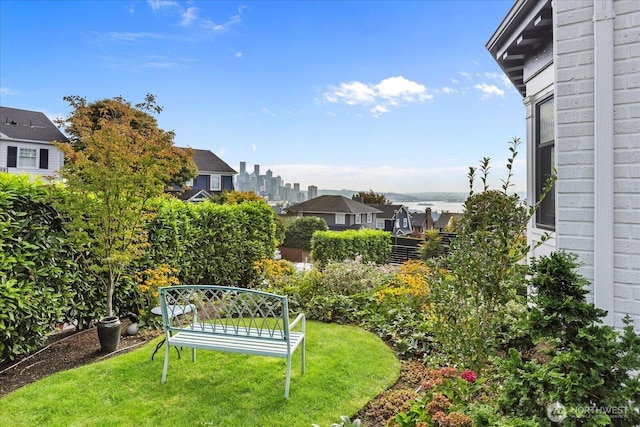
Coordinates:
(37, 271)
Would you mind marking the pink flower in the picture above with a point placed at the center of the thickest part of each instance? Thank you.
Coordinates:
(469, 375)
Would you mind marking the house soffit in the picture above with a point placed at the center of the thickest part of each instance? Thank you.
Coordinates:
(527, 28)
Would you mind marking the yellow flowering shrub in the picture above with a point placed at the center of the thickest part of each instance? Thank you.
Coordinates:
(411, 283)
(149, 281)
(273, 270)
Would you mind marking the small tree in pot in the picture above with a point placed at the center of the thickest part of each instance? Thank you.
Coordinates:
(117, 161)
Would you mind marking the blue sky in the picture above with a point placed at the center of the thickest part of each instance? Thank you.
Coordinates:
(389, 96)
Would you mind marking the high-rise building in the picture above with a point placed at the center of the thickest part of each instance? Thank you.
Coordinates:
(312, 192)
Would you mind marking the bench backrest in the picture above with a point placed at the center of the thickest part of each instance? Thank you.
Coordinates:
(225, 310)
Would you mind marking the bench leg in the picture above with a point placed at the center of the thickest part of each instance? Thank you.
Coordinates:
(158, 347)
(286, 387)
(303, 340)
(166, 363)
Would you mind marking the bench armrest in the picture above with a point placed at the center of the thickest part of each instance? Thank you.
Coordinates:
(299, 318)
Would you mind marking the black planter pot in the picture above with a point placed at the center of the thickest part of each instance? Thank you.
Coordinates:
(109, 333)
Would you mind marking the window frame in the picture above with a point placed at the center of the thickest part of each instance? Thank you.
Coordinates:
(32, 159)
(219, 182)
(341, 219)
(544, 165)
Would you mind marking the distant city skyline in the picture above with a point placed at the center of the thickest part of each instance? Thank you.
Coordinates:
(393, 96)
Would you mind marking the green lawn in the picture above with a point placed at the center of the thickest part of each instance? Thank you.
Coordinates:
(345, 368)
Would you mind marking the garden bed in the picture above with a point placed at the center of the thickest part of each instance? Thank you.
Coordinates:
(64, 350)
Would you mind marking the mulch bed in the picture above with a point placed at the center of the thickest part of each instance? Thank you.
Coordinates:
(64, 350)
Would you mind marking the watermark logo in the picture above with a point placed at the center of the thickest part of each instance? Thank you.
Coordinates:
(556, 412)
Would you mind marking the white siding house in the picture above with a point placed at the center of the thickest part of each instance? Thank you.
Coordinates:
(577, 65)
(26, 143)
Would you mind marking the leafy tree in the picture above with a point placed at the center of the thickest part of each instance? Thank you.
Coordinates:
(178, 161)
(483, 277)
(298, 232)
(432, 246)
(371, 198)
(235, 197)
(117, 161)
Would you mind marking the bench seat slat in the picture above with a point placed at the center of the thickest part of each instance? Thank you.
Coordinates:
(231, 343)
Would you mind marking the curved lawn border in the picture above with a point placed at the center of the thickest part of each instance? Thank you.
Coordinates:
(345, 368)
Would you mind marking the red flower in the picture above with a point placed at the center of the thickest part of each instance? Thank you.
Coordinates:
(469, 375)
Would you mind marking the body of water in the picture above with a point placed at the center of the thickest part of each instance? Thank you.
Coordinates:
(436, 206)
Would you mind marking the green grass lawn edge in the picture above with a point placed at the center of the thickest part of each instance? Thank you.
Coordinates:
(345, 368)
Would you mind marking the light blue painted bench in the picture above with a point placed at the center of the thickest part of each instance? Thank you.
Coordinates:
(231, 319)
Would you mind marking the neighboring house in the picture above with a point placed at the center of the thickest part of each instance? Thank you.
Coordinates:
(395, 219)
(446, 220)
(421, 222)
(26, 143)
(577, 66)
(214, 177)
(340, 213)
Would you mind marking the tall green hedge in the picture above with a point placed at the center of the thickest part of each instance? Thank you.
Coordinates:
(370, 245)
(44, 279)
(212, 244)
(37, 268)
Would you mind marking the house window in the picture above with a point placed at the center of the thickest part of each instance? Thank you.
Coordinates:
(369, 218)
(215, 183)
(44, 158)
(358, 218)
(380, 224)
(545, 163)
(341, 218)
(27, 158)
(405, 223)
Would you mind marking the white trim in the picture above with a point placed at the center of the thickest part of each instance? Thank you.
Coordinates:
(603, 156)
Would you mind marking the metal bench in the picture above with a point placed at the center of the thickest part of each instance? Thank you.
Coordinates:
(231, 319)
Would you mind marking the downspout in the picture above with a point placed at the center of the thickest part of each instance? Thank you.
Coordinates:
(603, 157)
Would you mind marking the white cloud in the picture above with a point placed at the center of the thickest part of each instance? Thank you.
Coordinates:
(253, 147)
(351, 93)
(398, 87)
(489, 90)
(390, 92)
(237, 54)
(161, 4)
(188, 16)
(134, 36)
(220, 28)
(267, 112)
(447, 89)
(379, 110)
(7, 91)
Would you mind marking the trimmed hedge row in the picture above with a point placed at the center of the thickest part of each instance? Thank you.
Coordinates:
(212, 244)
(44, 279)
(37, 273)
(371, 245)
